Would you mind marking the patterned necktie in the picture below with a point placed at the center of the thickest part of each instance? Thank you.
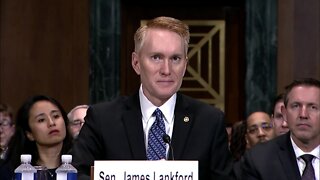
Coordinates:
(156, 146)
(308, 172)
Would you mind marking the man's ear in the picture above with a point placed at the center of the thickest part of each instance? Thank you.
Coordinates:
(284, 112)
(135, 62)
(247, 141)
(185, 68)
(29, 136)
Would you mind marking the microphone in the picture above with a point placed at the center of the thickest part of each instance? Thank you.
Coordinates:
(166, 138)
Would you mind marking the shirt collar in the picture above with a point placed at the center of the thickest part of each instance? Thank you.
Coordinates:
(147, 108)
(315, 152)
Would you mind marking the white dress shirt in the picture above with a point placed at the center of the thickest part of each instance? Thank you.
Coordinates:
(147, 109)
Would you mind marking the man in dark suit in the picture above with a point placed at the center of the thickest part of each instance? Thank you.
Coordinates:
(283, 158)
(121, 129)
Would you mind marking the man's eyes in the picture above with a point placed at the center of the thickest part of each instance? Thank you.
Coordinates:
(173, 59)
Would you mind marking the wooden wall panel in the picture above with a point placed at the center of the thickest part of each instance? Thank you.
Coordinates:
(44, 50)
(298, 40)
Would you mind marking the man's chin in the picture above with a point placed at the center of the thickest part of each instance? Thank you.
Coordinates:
(263, 140)
(283, 132)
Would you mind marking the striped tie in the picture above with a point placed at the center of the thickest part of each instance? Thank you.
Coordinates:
(156, 146)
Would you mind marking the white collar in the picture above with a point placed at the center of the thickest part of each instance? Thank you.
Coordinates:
(315, 152)
(147, 108)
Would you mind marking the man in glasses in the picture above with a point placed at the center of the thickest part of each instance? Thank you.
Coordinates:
(7, 128)
(76, 119)
(259, 128)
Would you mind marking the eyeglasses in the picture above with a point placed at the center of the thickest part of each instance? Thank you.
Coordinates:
(255, 128)
(76, 122)
(5, 123)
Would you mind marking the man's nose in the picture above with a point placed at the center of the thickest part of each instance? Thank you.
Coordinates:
(261, 132)
(303, 112)
(284, 124)
(165, 67)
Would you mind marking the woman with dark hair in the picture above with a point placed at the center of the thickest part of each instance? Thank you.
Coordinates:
(238, 146)
(41, 130)
(238, 143)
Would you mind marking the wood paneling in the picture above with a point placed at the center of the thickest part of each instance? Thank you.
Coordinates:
(44, 50)
(298, 40)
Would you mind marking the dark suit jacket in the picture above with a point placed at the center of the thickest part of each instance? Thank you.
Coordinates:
(114, 131)
(273, 160)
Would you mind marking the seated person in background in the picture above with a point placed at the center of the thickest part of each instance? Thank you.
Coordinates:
(295, 155)
(238, 144)
(41, 130)
(76, 119)
(279, 121)
(229, 130)
(259, 128)
(125, 128)
(7, 128)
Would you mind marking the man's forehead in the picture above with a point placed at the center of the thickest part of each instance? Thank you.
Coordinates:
(258, 118)
(299, 92)
(255, 122)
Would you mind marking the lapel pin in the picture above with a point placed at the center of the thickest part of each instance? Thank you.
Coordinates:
(186, 119)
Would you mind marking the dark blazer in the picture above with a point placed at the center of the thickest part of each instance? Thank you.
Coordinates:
(273, 160)
(114, 131)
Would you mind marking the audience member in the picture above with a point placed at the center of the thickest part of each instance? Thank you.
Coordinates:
(238, 144)
(229, 131)
(119, 129)
(259, 128)
(76, 119)
(41, 130)
(285, 157)
(7, 128)
(279, 122)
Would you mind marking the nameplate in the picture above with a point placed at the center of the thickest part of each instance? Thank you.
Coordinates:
(146, 170)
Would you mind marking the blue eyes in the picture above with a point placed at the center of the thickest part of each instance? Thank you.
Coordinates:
(159, 58)
(310, 107)
(156, 57)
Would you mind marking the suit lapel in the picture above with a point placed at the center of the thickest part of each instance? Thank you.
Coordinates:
(182, 122)
(288, 158)
(132, 120)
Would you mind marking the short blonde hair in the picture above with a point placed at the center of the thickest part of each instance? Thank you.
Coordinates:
(162, 22)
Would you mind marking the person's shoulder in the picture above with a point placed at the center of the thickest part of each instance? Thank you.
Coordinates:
(269, 147)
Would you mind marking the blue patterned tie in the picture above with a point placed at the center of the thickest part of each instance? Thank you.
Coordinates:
(156, 146)
(308, 172)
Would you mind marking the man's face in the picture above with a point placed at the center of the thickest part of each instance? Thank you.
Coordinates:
(303, 115)
(279, 122)
(7, 129)
(259, 129)
(76, 121)
(161, 64)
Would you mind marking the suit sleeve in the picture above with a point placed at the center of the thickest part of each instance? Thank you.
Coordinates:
(248, 170)
(221, 163)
